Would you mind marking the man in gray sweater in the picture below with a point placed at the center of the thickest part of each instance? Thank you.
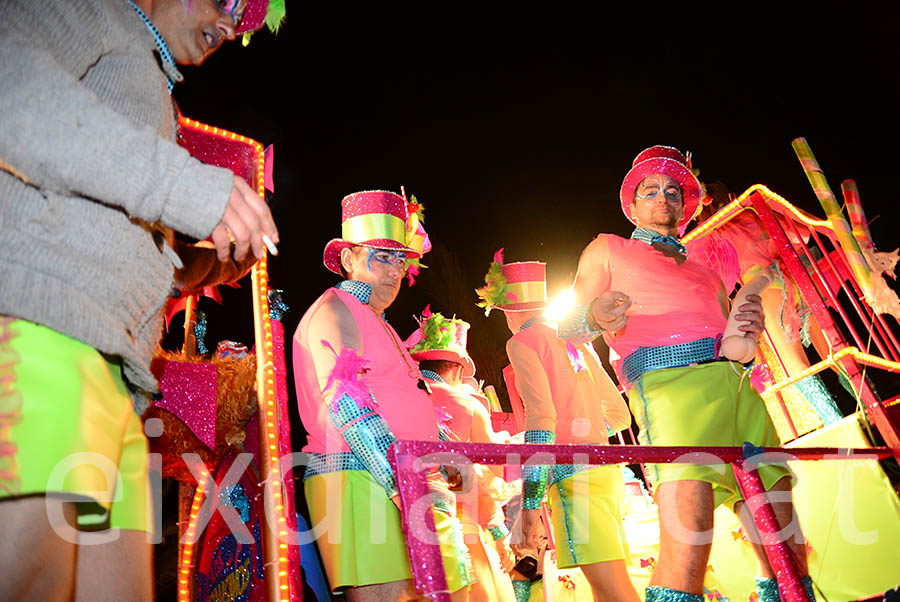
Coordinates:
(92, 189)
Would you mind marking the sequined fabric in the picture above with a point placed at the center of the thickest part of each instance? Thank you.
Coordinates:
(656, 593)
(433, 376)
(650, 237)
(369, 436)
(358, 289)
(564, 471)
(645, 359)
(522, 590)
(498, 532)
(767, 589)
(528, 323)
(168, 63)
(324, 463)
(534, 478)
(575, 326)
(813, 389)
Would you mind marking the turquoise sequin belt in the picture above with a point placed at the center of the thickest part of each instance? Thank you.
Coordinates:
(325, 463)
(645, 359)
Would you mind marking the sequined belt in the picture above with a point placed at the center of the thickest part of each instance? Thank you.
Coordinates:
(646, 359)
(325, 463)
(564, 471)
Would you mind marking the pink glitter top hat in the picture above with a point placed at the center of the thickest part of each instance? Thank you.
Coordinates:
(379, 219)
(526, 285)
(667, 161)
(255, 15)
(440, 338)
(520, 286)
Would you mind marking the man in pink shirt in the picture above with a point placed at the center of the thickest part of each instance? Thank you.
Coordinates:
(568, 399)
(358, 390)
(663, 314)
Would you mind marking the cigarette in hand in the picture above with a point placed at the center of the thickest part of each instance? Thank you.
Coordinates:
(270, 245)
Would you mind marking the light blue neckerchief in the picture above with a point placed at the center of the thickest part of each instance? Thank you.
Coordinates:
(649, 236)
(169, 67)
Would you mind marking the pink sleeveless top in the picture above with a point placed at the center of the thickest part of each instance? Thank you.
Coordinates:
(570, 401)
(672, 303)
(406, 408)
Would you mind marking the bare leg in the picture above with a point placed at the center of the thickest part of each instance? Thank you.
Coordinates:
(402, 591)
(610, 582)
(38, 564)
(119, 570)
(784, 512)
(685, 535)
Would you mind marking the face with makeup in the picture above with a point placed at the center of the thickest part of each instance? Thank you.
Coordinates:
(658, 204)
(382, 269)
(194, 29)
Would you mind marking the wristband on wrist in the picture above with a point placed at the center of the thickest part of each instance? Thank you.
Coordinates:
(498, 532)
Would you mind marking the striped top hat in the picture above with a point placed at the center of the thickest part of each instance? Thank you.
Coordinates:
(667, 161)
(520, 286)
(378, 219)
(440, 338)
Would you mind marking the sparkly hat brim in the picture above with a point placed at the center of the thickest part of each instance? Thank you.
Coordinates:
(331, 256)
(690, 187)
(528, 306)
(447, 356)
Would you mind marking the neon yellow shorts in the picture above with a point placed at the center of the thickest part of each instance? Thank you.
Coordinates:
(706, 405)
(587, 516)
(67, 427)
(360, 538)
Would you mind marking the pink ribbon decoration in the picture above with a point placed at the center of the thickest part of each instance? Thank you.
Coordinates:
(423, 549)
(268, 167)
(575, 357)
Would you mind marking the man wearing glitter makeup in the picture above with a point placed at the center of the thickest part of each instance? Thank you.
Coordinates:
(568, 399)
(93, 188)
(663, 314)
(358, 390)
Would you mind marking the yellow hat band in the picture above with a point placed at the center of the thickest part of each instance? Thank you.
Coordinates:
(371, 226)
(528, 292)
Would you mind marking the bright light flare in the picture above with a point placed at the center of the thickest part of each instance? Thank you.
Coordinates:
(560, 305)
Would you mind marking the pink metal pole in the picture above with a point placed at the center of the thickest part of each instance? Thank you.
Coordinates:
(422, 546)
(777, 551)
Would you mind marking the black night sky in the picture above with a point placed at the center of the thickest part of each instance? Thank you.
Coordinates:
(514, 123)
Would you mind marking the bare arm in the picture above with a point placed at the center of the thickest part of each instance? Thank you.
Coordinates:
(334, 338)
(597, 307)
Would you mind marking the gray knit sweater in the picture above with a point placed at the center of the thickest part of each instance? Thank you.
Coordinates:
(87, 127)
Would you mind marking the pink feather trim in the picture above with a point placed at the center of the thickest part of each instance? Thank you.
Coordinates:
(347, 373)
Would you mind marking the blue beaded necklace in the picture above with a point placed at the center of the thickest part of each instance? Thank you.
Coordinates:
(169, 67)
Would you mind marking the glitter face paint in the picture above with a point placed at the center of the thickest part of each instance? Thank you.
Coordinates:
(233, 8)
(387, 257)
(650, 189)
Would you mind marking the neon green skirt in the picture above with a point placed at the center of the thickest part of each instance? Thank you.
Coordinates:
(360, 538)
(67, 427)
(706, 405)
